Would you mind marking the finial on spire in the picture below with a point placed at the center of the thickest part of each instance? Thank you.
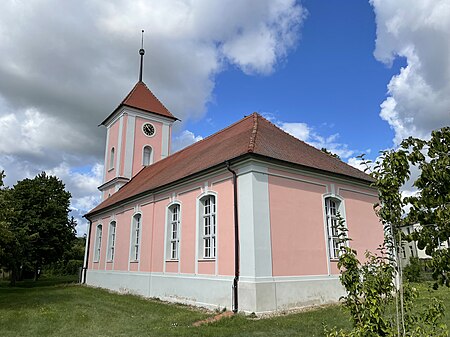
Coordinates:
(141, 52)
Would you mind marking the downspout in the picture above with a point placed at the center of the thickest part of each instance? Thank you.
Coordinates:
(236, 242)
(86, 254)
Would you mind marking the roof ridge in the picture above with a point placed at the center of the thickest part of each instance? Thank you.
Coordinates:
(251, 144)
(212, 135)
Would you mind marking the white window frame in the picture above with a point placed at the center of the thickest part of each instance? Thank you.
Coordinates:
(173, 236)
(98, 242)
(333, 205)
(112, 240)
(150, 159)
(136, 236)
(208, 226)
(111, 158)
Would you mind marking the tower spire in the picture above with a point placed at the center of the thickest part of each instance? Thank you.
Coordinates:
(141, 52)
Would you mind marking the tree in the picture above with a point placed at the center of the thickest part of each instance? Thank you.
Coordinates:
(369, 297)
(12, 248)
(5, 234)
(41, 221)
(430, 207)
(372, 295)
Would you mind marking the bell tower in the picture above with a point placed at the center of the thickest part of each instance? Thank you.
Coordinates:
(138, 134)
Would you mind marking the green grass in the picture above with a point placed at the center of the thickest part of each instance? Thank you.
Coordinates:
(52, 308)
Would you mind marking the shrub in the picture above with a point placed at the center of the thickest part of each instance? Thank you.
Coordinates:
(412, 272)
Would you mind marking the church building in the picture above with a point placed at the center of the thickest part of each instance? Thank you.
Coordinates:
(243, 219)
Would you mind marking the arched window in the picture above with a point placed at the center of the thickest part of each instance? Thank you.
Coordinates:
(147, 155)
(173, 231)
(135, 237)
(332, 208)
(98, 243)
(111, 159)
(208, 226)
(112, 240)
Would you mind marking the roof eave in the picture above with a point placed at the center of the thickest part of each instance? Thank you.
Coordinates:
(130, 106)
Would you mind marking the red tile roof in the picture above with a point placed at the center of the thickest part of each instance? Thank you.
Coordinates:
(252, 134)
(141, 97)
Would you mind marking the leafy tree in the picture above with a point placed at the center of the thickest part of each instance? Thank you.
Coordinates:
(42, 207)
(372, 296)
(11, 250)
(430, 207)
(370, 288)
(413, 269)
(4, 224)
(72, 259)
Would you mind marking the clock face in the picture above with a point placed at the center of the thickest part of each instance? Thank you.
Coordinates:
(148, 129)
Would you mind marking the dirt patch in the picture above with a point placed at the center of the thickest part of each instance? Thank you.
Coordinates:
(214, 318)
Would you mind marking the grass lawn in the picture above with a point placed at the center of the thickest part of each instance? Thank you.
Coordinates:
(52, 308)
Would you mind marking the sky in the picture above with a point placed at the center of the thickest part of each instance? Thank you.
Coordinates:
(352, 76)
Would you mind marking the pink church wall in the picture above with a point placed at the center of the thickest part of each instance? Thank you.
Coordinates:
(299, 241)
(141, 140)
(225, 229)
(188, 230)
(146, 238)
(363, 225)
(122, 255)
(297, 228)
(153, 233)
(100, 263)
(171, 266)
(157, 258)
(298, 238)
(206, 267)
(112, 141)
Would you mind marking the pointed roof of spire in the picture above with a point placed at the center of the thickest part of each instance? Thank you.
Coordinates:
(140, 97)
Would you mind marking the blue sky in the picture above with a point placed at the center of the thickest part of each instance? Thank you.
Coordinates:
(330, 81)
(352, 76)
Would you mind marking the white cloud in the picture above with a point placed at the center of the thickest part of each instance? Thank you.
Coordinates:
(61, 75)
(359, 164)
(31, 133)
(330, 143)
(298, 130)
(83, 187)
(185, 138)
(419, 96)
(311, 136)
(70, 69)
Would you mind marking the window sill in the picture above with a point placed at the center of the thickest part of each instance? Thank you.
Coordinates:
(206, 259)
(334, 259)
(111, 169)
(96, 261)
(173, 260)
(134, 261)
(110, 261)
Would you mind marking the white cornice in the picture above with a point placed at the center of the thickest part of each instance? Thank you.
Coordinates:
(112, 182)
(151, 116)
